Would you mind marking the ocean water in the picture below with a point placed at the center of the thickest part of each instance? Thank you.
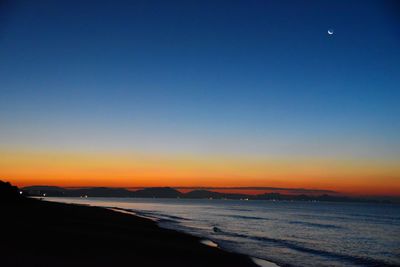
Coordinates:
(286, 233)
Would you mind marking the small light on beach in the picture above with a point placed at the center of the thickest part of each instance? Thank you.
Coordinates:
(20, 192)
(44, 194)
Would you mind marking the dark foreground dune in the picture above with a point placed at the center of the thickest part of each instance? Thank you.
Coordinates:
(40, 233)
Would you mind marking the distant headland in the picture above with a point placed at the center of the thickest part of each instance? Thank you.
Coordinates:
(169, 192)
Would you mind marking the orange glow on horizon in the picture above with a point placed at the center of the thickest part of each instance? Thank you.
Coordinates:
(355, 177)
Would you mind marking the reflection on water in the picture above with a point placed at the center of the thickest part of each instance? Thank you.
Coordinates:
(287, 233)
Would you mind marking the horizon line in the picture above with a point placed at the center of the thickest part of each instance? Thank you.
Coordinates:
(255, 188)
(239, 188)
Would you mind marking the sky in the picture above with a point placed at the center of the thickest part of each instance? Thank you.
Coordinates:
(201, 93)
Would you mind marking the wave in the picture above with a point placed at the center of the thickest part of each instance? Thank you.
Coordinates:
(364, 261)
(371, 219)
(319, 225)
(161, 216)
(246, 217)
(238, 209)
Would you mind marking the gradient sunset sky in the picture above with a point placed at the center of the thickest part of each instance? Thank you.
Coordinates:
(201, 93)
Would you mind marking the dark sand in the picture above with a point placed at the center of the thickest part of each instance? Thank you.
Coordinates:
(40, 233)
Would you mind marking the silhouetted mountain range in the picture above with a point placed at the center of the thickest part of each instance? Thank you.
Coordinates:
(54, 191)
(168, 192)
(157, 192)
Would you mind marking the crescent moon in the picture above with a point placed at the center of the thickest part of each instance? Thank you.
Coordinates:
(330, 32)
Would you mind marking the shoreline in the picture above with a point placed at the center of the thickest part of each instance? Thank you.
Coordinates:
(203, 240)
(45, 233)
(211, 243)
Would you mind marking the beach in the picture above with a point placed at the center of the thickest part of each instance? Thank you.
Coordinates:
(41, 233)
(284, 233)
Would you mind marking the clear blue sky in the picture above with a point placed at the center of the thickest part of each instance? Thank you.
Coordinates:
(213, 77)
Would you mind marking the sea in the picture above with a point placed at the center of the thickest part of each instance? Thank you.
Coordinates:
(287, 233)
